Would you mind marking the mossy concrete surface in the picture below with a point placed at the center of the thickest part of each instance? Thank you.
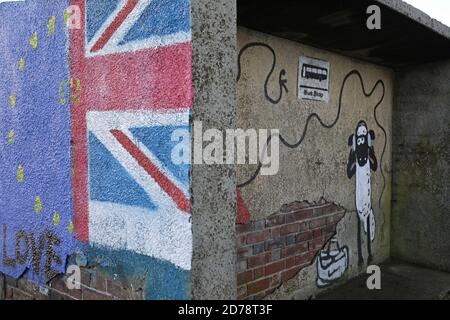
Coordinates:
(421, 194)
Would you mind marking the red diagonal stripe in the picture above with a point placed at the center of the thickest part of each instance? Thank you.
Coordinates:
(243, 215)
(117, 22)
(168, 186)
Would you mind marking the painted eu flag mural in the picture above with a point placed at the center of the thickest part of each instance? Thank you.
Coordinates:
(35, 168)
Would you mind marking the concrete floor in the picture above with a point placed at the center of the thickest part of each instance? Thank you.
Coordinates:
(399, 281)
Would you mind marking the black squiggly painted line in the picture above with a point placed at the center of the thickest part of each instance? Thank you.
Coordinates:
(281, 80)
(331, 125)
(384, 148)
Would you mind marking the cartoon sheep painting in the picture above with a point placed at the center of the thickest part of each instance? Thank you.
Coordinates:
(362, 160)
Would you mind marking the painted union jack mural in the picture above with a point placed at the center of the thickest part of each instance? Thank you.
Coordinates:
(126, 25)
(135, 188)
(133, 61)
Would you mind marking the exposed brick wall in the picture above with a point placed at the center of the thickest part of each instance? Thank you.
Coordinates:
(272, 251)
(93, 287)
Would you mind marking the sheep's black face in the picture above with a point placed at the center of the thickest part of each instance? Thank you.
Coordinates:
(362, 144)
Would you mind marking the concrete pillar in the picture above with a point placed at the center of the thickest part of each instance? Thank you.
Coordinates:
(213, 188)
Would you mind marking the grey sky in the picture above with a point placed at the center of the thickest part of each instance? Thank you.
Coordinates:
(437, 9)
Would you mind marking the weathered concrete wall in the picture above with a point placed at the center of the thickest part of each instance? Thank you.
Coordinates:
(314, 153)
(214, 187)
(421, 188)
(91, 98)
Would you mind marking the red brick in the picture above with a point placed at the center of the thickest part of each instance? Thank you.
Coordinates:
(258, 273)
(10, 281)
(244, 277)
(290, 239)
(288, 229)
(259, 225)
(330, 220)
(241, 240)
(243, 228)
(317, 223)
(276, 254)
(245, 252)
(305, 236)
(56, 295)
(289, 274)
(304, 259)
(302, 215)
(274, 244)
(89, 294)
(317, 233)
(316, 244)
(258, 286)
(85, 277)
(275, 232)
(335, 218)
(59, 284)
(295, 249)
(117, 291)
(25, 285)
(18, 294)
(276, 220)
(8, 292)
(290, 262)
(303, 227)
(320, 210)
(98, 282)
(259, 236)
(75, 293)
(274, 267)
(258, 248)
(259, 260)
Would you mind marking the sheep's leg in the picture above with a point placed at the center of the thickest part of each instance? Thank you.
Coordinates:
(369, 241)
(360, 257)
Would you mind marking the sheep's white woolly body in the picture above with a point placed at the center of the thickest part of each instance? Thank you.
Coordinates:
(363, 197)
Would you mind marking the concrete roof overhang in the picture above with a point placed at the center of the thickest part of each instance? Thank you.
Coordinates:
(407, 36)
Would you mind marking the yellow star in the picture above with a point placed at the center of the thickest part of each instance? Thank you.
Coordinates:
(67, 16)
(38, 205)
(20, 174)
(51, 26)
(70, 227)
(12, 100)
(22, 64)
(11, 136)
(56, 218)
(34, 40)
(62, 100)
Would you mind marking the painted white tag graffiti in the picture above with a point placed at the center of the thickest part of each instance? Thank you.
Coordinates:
(331, 264)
